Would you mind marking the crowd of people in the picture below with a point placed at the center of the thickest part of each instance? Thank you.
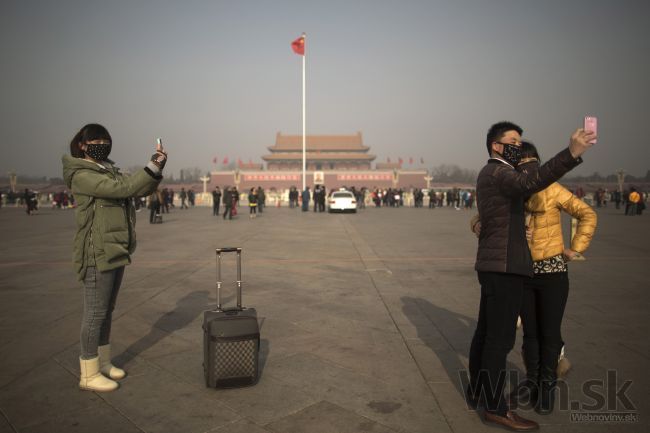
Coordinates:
(230, 198)
(631, 199)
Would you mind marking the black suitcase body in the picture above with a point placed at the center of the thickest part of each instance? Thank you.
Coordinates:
(231, 339)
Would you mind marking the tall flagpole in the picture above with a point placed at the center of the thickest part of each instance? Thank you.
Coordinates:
(304, 121)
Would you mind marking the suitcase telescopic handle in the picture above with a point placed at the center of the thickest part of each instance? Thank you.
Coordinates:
(228, 250)
(219, 282)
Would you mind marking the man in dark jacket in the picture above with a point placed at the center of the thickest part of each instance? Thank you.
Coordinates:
(503, 260)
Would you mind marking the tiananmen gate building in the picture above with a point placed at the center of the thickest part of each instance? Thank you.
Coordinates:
(332, 160)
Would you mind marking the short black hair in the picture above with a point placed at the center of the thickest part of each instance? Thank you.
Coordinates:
(90, 132)
(498, 130)
(528, 150)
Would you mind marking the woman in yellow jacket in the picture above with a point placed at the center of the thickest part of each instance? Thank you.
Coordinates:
(545, 295)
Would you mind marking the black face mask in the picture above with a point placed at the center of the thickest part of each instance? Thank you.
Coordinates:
(511, 153)
(98, 152)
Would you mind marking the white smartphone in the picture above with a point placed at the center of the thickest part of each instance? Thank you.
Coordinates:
(591, 125)
(159, 144)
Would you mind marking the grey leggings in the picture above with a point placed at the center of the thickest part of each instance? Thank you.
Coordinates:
(100, 294)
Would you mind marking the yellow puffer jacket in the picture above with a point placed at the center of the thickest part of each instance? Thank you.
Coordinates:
(545, 208)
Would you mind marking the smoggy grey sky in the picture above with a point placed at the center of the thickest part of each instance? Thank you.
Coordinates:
(417, 78)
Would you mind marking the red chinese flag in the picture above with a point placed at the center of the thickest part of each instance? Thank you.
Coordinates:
(401, 161)
(225, 160)
(298, 46)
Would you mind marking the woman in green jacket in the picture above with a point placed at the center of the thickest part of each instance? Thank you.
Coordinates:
(105, 239)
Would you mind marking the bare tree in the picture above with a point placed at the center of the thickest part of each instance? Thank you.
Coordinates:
(192, 174)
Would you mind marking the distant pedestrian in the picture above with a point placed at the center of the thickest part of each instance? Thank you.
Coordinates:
(617, 198)
(155, 203)
(235, 200)
(30, 201)
(261, 199)
(171, 198)
(362, 198)
(316, 196)
(104, 241)
(183, 196)
(164, 204)
(216, 200)
(191, 196)
(227, 203)
(252, 203)
(376, 197)
(293, 197)
(633, 199)
(305, 199)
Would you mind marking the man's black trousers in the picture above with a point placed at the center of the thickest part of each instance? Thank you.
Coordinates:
(501, 300)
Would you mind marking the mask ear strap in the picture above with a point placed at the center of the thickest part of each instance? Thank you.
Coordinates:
(496, 151)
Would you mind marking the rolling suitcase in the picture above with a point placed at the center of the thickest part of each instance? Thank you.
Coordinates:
(231, 339)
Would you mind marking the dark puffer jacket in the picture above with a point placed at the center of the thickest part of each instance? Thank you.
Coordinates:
(500, 192)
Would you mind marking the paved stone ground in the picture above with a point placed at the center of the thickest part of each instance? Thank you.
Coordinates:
(366, 322)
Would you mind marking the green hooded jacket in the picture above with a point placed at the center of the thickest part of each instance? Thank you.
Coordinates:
(105, 214)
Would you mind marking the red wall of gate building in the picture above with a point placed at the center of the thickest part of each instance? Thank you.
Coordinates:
(245, 180)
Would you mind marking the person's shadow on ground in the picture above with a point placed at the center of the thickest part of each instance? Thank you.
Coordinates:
(449, 324)
(187, 309)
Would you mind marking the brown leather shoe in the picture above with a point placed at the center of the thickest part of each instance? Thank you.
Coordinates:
(511, 421)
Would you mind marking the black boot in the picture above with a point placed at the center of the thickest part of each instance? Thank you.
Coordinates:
(547, 384)
(525, 394)
(526, 391)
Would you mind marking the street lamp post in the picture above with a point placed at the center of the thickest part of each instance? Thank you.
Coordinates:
(428, 178)
(620, 174)
(12, 181)
(205, 180)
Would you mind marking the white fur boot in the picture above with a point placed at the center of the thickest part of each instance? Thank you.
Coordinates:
(563, 365)
(92, 379)
(105, 365)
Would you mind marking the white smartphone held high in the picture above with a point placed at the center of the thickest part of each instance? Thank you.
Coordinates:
(159, 144)
(591, 124)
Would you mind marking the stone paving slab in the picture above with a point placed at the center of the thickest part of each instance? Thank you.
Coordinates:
(366, 322)
(325, 417)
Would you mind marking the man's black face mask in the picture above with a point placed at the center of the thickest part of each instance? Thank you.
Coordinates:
(511, 153)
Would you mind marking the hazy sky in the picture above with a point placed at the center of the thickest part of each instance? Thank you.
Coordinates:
(417, 78)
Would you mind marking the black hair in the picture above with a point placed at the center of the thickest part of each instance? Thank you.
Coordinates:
(90, 132)
(528, 150)
(497, 131)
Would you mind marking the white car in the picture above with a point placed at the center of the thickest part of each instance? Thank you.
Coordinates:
(342, 201)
